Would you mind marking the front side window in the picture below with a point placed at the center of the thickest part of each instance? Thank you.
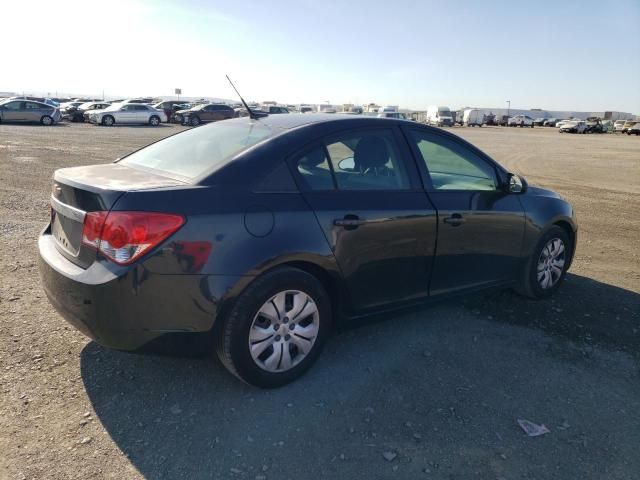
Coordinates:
(452, 167)
(13, 106)
(367, 160)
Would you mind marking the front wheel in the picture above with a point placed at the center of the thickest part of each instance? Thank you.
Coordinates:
(547, 266)
(194, 121)
(276, 328)
(108, 120)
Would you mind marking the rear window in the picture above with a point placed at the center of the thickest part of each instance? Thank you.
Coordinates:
(196, 151)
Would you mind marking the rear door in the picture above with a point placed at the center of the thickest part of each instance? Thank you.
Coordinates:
(480, 226)
(34, 111)
(365, 191)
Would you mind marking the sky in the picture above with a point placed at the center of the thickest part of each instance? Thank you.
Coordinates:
(579, 55)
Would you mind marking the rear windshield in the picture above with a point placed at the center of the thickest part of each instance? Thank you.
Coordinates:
(196, 151)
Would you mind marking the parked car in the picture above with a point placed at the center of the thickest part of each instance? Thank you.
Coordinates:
(275, 109)
(521, 121)
(594, 125)
(634, 129)
(472, 118)
(618, 125)
(306, 109)
(539, 122)
(204, 113)
(573, 126)
(170, 107)
(127, 113)
(28, 111)
(502, 120)
(550, 122)
(260, 234)
(80, 113)
(398, 115)
(627, 125)
(439, 116)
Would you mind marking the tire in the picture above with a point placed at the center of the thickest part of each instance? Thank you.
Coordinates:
(529, 284)
(46, 120)
(194, 121)
(108, 121)
(154, 121)
(233, 336)
(178, 118)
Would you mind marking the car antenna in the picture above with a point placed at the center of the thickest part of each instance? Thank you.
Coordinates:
(252, 115)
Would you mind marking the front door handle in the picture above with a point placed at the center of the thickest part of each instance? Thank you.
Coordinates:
(454, 220)
(349, 222)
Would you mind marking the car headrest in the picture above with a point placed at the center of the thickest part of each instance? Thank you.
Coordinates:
(313, 158)
(371, 152)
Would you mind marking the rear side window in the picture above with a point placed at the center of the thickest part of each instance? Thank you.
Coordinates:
(313, 167)
(195, 152)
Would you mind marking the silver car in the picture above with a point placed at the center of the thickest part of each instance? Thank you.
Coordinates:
(128, 113)
(28, 111)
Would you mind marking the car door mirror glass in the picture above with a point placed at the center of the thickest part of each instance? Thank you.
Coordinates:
(516, 185)
(347, 164)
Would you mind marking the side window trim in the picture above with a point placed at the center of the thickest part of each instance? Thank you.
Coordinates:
(443, 140)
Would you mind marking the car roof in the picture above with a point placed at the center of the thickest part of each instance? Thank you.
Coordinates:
(291, 121)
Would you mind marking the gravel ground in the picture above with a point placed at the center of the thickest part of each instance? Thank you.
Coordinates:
(431, 393)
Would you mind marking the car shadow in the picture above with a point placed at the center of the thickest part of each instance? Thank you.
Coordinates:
(176, 417)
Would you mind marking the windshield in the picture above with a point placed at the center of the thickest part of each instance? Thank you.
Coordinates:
(194, 152)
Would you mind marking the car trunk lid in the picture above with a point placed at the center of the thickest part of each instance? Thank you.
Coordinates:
(94, 188)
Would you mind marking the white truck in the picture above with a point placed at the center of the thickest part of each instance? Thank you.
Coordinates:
(472, 117)
(439, 116)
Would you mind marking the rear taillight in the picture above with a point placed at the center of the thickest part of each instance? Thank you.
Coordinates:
(125, 236)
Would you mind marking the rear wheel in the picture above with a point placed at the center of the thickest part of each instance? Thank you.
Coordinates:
(276, 328)
(154, 121)
(547, 266)
(46, 120)
(108, 120)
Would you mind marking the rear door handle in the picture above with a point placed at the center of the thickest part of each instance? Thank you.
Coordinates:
(454, 220)
(349, 222)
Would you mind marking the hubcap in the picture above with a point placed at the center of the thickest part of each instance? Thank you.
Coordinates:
(551, 263)
(276, 349)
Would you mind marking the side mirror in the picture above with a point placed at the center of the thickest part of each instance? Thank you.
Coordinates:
(347, 164)
(516, 184)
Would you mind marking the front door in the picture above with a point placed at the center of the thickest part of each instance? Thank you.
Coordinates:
(13, 111)
(365, 191)
(480, 226)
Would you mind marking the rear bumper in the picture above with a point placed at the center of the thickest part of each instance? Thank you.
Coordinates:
(126, 307)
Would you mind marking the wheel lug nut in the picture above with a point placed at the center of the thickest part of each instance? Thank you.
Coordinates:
(287, 337)
(292, 326)
(285, 320)
(276, 327)
(278, 337)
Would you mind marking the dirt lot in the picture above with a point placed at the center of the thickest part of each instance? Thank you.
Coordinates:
(432, 393)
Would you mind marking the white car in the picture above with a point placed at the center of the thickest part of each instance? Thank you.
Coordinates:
(521, 121)
(128, 113)
(573, 126)
(618, 125)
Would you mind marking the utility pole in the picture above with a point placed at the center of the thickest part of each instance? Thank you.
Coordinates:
(508, 108)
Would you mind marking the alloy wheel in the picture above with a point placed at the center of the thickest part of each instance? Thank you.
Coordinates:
(284, 331)
(551, 263)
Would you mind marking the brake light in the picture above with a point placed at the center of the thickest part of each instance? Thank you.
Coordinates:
(123, 237)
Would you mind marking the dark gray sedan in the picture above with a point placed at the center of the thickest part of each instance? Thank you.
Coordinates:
(28, 111)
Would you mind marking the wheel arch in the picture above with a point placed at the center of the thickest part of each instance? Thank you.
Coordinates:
(571, 233)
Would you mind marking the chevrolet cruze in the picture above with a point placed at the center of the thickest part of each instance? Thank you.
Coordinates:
(262, 234)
